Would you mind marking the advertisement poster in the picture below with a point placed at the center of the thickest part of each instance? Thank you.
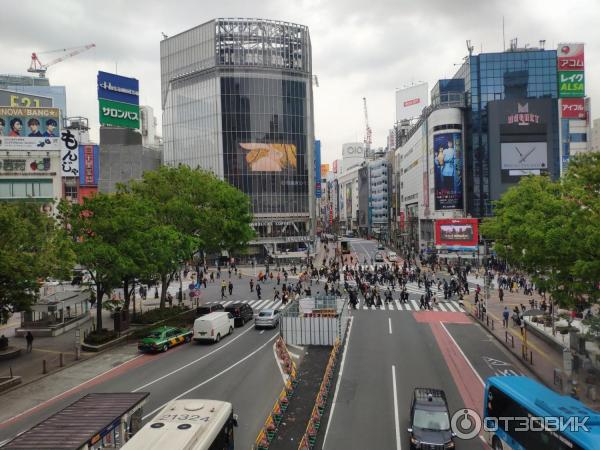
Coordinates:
(89, 167)
(571, 83)
(349, 200)
(570, 57)
(29, 128)
(457, 234)
(119, 114)
(118, 88)
(572, 108)
(448, 169)
(25, 100)
(318, 169)
(269, 157)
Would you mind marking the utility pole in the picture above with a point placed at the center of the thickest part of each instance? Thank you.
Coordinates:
(487, 277)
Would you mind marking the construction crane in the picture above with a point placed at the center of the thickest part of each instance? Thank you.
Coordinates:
(367, 140)
(38, 67)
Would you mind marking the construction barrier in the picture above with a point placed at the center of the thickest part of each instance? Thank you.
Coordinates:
(269, 429)
(314, 423)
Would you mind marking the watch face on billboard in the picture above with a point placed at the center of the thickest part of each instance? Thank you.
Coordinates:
(524, 155)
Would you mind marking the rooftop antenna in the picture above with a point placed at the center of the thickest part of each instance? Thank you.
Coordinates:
(470, 47)
(542, 43)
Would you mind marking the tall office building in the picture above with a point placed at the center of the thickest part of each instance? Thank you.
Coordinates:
(237, 100)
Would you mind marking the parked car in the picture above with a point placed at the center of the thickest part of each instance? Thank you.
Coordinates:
(378, 257)
(267, 318)
(162, 338)
(429, 420)
(213, 326)
(392, 257)
(242, 312)
(208, 308)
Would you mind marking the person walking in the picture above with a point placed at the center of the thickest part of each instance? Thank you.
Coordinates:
(501, 294)
(258, 290)
(230, 287)
(505, 315)
(251, 285)
(223, 287)
(29, 339)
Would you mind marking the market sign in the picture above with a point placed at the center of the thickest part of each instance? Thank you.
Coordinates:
(571, 83)
(119, 114)
(572, 108)
(570, 57)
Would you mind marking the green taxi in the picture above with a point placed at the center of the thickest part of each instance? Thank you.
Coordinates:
(162, 338)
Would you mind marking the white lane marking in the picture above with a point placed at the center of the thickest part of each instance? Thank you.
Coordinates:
(450, 307)
(227, 303)
(222, 372)
(228, 342)
(398, 305)
(390, 324)
(69, 390)
(463, 355)
(396, 415)
(261, 332)
(442, 307)
(277, 362)
(338, 381)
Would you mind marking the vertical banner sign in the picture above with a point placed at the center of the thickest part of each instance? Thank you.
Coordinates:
(318, 169)
(572, 108)
(571, 66)
(88, 165)
(69, 155)
(447, 163)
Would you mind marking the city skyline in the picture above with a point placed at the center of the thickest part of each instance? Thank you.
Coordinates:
(356, 50)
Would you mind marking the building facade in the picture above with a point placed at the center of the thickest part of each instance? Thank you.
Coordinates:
(237, 100)
(595, 144)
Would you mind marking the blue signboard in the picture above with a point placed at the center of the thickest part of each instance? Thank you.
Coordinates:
(118, 89)
(89, 165)
(318, 169)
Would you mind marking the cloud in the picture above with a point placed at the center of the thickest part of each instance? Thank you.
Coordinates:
(360, 48)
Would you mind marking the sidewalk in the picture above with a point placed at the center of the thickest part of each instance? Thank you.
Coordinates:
(540, 356)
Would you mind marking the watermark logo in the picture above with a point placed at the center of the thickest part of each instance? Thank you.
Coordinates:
(466, 424)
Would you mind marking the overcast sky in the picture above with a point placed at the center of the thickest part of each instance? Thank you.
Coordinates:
(360, 48)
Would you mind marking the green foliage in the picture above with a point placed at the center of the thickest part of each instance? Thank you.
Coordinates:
(100, 337)
(552, 230)
(32, 248)
(157, 315)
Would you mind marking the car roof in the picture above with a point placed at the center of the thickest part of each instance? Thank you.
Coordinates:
(267, 310)
(438, 397)
(163, 328)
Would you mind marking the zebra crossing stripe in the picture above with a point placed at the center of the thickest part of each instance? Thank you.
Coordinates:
(442, 307)
(450, 307)
(398, 305)
(227, 303)
(415, 305)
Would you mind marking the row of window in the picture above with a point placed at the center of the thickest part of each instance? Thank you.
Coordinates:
(13, 189)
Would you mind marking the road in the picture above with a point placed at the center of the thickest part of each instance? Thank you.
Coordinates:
(391, 351)
(241, 369)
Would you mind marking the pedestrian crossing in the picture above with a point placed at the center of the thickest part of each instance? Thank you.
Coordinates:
(395, 305)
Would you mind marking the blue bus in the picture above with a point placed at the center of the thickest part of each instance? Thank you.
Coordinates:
(549, 421)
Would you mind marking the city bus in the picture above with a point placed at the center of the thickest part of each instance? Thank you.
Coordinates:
(189, 424)
(540, 418)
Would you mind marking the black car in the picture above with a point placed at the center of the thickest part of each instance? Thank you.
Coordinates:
(429, 420)
(242, 313)
(208, 308)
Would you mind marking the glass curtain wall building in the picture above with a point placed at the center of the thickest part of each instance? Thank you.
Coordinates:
(237, 100)
(518, 74)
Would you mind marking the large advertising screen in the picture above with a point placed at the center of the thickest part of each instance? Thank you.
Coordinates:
(457, 234)
(269, 157)
(25, 100)
(411, 101)
(29, 128)
(448, 165)
(349, 200)
(118, 100)
(523, 155)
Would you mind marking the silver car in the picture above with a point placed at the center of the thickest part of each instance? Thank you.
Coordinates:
(267, 318)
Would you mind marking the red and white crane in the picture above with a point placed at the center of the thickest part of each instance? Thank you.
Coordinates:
(38, 67)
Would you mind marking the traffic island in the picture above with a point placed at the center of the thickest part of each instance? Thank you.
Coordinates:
(286, 425)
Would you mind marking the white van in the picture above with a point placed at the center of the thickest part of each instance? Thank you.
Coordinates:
(213, 326)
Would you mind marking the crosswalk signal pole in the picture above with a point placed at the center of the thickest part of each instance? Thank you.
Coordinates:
(487, 276)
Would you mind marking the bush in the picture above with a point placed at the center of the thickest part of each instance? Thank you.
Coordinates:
(3, 342)
(157, 315)
(100, 337)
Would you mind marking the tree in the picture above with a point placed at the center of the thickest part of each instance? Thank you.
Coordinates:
(32, 248)
(109, 232)
(193, 210)
(551, 230)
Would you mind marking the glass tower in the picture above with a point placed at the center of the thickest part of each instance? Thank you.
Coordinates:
(518, 74)
(237, 100)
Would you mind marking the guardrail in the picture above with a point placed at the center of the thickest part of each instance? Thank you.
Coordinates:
(269, 429)
(314, 423)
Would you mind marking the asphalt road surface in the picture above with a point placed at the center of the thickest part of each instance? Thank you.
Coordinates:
(390, 351)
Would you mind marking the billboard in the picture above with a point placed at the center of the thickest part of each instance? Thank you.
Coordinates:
(19, 166)
(523, 155)
(318, 169)
(12, 98)
(324, 170)
(448, 168)
(353, 150)
(570, 57)
(457, 234)
(571, 83)
(349, 200)
(269, 157)
(335, 166)
(89, 165)
(572, 108)
(119, 114)
(118, 88)
(29, 128)
(411, 101)
(69, 155)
